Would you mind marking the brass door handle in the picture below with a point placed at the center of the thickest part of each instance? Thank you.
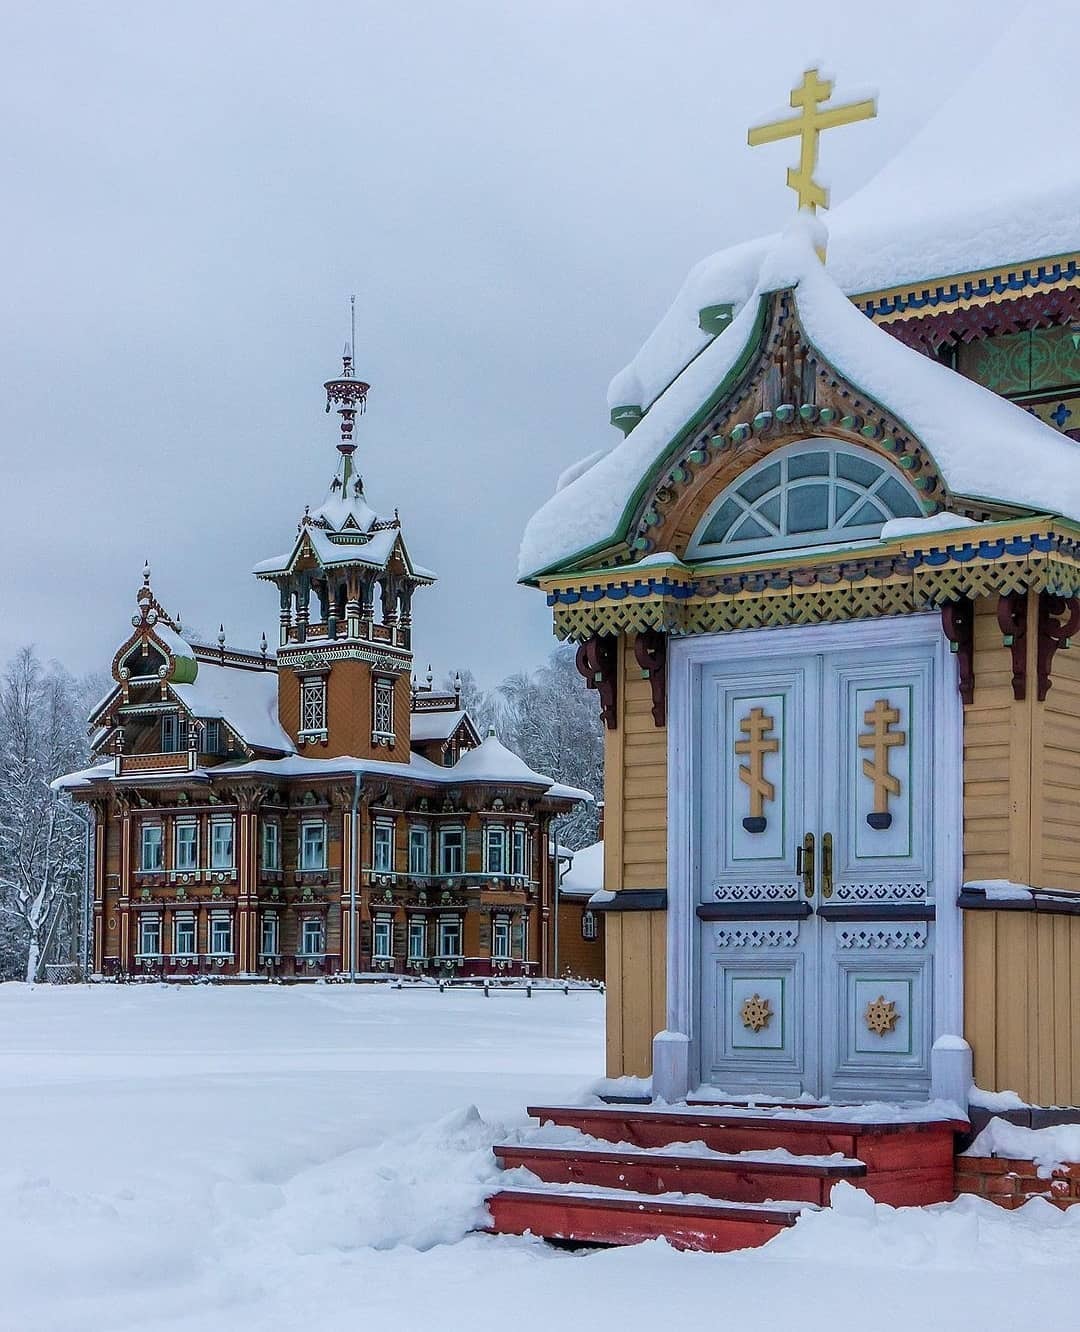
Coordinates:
(826, 865)
(804, 863)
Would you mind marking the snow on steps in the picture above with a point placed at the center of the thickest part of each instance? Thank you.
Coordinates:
(709, 1177)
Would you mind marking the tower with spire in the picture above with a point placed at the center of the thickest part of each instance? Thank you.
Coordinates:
(345, 591)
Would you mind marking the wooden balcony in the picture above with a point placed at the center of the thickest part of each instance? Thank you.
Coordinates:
(132, 765)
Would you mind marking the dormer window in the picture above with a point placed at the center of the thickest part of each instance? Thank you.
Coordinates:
(810, 494)
(173, 733)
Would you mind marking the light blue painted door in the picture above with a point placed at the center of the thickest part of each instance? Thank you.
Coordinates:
(814, 851)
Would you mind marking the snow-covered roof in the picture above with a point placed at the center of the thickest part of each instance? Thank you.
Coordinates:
(499, 766)
(345, 529)
(436, 725)
(984, 446)
(247, 700)
(586, 873)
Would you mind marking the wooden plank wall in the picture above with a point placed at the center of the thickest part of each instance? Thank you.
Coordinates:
(1022, 822)
(1022, 1003)
(635, 856)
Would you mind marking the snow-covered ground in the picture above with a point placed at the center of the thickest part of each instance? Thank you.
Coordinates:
(282, 1158)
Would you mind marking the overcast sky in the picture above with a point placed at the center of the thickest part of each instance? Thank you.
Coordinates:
(514, 191)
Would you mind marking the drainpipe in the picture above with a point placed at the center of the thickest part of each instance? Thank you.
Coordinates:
(555, 830)
(354, 875)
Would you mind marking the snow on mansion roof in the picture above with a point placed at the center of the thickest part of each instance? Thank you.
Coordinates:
(437, 724)
(984, 445)
(492, 763)
(247, 700)
(345, 529)
(586, 873)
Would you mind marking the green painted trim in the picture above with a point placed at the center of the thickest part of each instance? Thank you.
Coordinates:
(185, 669)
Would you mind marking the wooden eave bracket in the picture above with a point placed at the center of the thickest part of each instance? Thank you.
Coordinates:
(1012, 621)
(958, 622)
(1059, 619)
(597, 662)
(650, 653)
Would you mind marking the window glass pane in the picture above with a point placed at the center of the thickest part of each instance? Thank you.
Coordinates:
(770, 509)
(808, 508)
(748, 529)
(866, 515)
(897, 499)
(722, 520)
(854, 468)
(844, 500)
(808, 464)
(765, 480)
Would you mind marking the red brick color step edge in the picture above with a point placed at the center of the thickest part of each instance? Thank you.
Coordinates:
(1011, 1183)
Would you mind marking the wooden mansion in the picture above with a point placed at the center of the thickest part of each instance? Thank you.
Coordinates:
(310, 812)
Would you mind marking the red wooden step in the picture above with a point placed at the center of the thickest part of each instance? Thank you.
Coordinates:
(735, 1179)
(628, 1218)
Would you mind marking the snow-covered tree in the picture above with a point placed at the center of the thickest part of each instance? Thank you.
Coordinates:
(549, 717)
(42, 834)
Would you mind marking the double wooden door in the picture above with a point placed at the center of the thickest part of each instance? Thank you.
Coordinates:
(814, 848)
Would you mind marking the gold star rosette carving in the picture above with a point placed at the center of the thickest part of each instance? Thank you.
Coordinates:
(757, 1013)
(881, 1016)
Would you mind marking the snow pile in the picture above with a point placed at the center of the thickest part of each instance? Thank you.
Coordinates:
(212, 1159)
(1047, 1147)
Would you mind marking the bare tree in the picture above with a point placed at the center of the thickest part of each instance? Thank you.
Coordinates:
(42, 834)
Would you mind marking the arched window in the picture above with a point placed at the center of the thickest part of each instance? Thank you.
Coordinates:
(807, 495)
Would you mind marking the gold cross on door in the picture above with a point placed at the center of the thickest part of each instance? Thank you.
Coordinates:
(879, 740)
(757, 725)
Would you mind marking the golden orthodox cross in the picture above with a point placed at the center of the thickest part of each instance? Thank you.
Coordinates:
(880, 739)
(757, 726)
(807, 125)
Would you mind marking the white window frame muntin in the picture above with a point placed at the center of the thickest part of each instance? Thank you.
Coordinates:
(497, 831)
(519, 851)
(185, 919)
(698, 549)
(320, 929)
(382, 707)
(144, 842)
(186, 825)
(266, 828)
(590, 925)
(306, 865)
(229, 822)
(217, 919)
(459, 829)
(382, 925)
(147, 918)
(456, 922)
(502, 925)
(313, 707)
(383, 835)
(270, 918)
(425, 831)
(418, 928)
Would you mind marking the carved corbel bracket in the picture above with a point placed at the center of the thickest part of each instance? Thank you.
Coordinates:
(650, 653)
(598, 663)
(958, 622)
(1012, 621)
(1059, 619)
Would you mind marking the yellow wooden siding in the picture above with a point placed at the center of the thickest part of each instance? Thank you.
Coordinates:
(997, 781)
(635, 856)
(1056, 769)
(1022, 1003)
